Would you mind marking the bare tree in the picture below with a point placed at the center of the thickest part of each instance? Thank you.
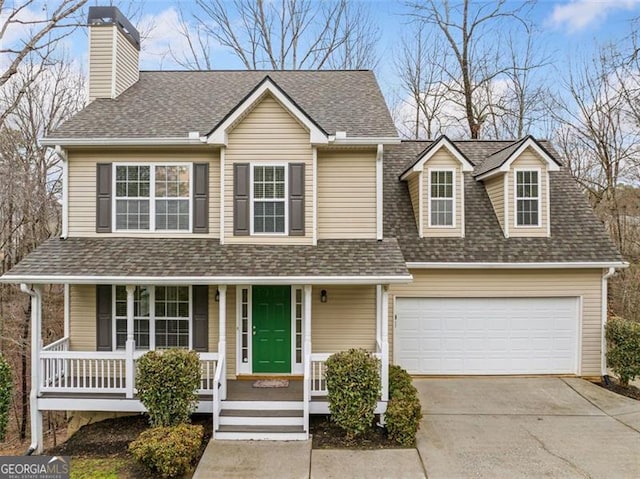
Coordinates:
(285, 34)
(423, 90)
(31, 29)
(471, 33)
(29, 200)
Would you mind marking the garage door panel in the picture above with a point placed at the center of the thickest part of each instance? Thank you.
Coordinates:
(487, 335)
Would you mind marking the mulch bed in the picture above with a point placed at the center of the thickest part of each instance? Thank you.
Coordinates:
(111, 438)
(327, 435)
(630, 391)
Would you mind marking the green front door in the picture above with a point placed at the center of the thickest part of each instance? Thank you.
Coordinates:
(271, 342)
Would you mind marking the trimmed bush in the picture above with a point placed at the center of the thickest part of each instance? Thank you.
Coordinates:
(6, 389)
(169, 451)
(353, 384)
(167, 385)
(623, 348)
(404, 411)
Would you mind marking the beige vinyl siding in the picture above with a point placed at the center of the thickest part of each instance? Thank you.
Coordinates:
(268, 134)
(82, 187)
(82, 317)
(586, 284)
(126, 63)
(346, 194)
(347, 320)
(495, 190)
(442, 159)
(528, 159)
(101, 61)
(414, 193)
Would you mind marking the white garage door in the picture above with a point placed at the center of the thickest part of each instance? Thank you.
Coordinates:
(487, 335)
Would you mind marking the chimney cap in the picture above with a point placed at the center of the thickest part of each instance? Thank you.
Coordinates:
(113, 16)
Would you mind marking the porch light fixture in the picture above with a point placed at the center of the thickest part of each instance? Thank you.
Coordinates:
(217, 295)
(323, 296)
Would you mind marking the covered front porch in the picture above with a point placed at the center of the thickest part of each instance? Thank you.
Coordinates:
(309, 303)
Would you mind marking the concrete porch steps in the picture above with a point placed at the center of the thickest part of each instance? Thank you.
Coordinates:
(261, 420)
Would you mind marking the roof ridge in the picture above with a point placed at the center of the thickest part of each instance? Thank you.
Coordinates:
(517, 142)
(238, 70)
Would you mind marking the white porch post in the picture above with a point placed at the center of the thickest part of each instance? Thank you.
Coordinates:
(36, 343)
(307, 319)
(222, 336)
(384, 334)
(131, 343)
(306, 351)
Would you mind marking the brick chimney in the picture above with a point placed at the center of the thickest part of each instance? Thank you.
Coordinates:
(114, 48)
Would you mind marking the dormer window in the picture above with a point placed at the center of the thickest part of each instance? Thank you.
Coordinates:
(442, 197)
(527, 198)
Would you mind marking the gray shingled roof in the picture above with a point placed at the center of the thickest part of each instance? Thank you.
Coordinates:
(191, 257)
(174, 103)
(576, 234)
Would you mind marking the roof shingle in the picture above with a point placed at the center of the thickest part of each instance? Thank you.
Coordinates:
(170, 104)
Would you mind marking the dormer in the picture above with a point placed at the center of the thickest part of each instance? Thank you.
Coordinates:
(517, 181)
(436, 185)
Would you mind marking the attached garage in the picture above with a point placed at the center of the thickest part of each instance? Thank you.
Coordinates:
(497, 335)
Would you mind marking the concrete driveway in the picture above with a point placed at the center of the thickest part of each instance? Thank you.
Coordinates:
(527, 427)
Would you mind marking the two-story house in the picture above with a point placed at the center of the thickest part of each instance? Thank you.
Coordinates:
(267, 219)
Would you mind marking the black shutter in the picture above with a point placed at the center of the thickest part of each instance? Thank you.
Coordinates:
(241, 199)
(296, 199)
(103, 317)
(201, 197)
(200, 318)
(103, 197)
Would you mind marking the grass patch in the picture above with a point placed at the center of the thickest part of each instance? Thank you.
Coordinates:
(99, 468)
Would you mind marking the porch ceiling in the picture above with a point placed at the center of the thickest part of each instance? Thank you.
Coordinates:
(206, 261)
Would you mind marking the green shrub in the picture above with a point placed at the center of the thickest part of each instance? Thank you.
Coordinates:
(167, 385)
(169, 451)
(623, 348)
(353, 384)
(6, 389)
(403, 409)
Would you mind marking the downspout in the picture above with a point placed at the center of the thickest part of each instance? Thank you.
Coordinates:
(603, 345)
(65, 191)
(34, 293)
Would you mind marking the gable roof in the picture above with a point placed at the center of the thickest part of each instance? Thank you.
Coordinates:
(423, 157)
(218, 135)
(171, 104)
(576, 234)
(501, 159)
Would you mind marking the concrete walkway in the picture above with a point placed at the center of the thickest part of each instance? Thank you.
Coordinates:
(472, 427)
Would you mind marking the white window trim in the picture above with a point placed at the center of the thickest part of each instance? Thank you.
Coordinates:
(297, 368)
(152, 317)
(252, 165)
(454, 192)
(515, 197)
(152, 197)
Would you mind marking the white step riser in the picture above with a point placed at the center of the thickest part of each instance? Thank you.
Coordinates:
(264, 405)
(260, 436)
(261, 421)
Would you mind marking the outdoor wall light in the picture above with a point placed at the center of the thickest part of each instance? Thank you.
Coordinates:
(323, 296)
(217, 295)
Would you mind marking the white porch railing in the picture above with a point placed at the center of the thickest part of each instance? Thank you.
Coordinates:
(218, 378)
(64, 371)
(317, 381)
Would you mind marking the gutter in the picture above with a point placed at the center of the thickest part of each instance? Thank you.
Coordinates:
(603, 339)
(204, 280)
(33, 395)
(165, 141)
(496, 265)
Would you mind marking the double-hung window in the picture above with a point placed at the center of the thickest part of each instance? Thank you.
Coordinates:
(441, 198)
(161, 314)
(527, 198)
(152, 197)
(269, 199)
